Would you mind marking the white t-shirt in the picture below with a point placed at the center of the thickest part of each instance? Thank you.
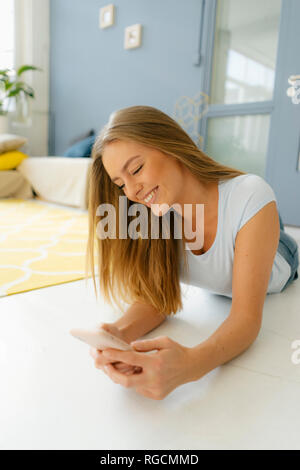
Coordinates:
(240, 198)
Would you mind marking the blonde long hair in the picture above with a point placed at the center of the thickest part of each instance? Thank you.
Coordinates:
(142, 270)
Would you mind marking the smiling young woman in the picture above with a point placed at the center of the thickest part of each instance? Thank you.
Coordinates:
(145, 155)
(139, 150)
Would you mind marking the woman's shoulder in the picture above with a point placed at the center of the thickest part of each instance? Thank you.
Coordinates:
(248, 195)
(248, 183)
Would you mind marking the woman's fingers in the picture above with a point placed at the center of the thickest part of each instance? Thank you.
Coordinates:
(121, 366)
(93, 352)
(126, 368)
(101, 361)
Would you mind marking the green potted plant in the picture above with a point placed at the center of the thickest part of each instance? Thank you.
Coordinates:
(13, 87)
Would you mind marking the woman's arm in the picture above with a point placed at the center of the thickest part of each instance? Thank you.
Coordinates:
(233, 337)
(138, 320)
(255, 249)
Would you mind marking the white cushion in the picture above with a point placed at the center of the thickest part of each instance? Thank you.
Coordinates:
(62, 180)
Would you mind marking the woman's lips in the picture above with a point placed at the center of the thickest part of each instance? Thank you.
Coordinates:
(153, 198)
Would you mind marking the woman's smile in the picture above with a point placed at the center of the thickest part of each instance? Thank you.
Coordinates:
(153, 197)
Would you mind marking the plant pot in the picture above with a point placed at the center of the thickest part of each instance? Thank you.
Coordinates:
(4, 124)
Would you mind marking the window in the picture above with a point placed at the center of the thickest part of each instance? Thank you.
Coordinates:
(7, 40)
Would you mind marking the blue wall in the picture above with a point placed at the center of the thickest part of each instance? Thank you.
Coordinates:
(91, 74)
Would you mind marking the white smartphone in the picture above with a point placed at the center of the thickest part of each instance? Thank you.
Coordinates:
(100, 339)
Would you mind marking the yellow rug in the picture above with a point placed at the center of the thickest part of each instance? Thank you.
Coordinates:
(40, 245)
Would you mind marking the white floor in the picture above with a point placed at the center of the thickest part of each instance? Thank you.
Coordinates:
(52, 397)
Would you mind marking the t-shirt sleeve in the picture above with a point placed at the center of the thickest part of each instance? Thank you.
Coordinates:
(253, 194)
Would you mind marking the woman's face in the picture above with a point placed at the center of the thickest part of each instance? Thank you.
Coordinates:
(150, 170)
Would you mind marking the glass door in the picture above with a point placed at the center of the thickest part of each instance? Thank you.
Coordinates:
(243, 48)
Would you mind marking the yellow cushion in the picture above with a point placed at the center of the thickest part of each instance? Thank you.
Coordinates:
(10, 160)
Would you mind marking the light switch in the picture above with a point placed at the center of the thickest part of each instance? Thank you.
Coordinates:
(133, 36)
(107, 16)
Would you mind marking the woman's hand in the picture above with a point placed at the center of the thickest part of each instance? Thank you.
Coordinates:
(162, 371)
(101, 361)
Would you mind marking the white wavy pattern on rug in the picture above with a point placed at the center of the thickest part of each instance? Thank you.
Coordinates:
(40, 245)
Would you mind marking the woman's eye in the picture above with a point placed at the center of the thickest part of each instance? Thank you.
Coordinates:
(136, 171)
